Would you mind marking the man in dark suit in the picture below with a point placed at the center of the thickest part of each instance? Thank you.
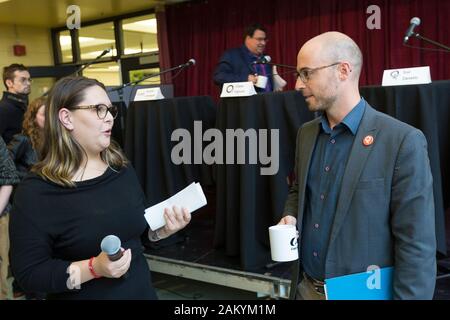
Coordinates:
(14, 102)
(239, 64)
(363, 193)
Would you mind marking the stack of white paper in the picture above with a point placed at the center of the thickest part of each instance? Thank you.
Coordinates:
(191, 197)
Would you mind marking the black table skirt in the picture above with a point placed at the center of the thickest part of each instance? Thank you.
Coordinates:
(148, 143)
(248, 202)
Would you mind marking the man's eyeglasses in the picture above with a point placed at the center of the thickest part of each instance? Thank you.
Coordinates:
(305, 73)
(102, 110)
(261, 39)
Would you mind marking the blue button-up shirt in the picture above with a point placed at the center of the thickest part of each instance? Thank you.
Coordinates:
(325, 175)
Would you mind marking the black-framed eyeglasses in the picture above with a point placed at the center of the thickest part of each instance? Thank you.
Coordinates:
(102, 110)
(305, 73)
(261, 39)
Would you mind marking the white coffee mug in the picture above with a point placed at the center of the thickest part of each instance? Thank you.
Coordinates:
(283, 242)
(261, 82)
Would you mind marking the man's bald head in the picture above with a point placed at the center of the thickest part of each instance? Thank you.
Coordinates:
(331, 47)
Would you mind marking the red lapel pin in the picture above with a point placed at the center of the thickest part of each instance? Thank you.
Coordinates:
(368, 140)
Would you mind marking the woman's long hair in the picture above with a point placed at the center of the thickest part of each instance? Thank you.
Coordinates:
(30, 126)
(62, 154)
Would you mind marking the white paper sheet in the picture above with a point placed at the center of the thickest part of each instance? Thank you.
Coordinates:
(191, 197)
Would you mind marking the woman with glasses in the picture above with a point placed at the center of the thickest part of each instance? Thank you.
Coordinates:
(82, 190)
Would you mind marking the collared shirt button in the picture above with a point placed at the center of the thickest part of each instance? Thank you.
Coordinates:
(333, 141)
(315, 254)
(316, 226)
(327, 168)
(322, 196)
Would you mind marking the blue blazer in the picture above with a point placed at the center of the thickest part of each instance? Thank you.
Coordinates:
(385, 211)
(235, 66)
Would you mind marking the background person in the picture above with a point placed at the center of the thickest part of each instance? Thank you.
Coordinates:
(236, 65)
(13, 104)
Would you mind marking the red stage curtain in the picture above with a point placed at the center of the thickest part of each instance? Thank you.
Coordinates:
(204, 29)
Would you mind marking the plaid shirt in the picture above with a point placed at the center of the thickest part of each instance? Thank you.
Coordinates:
(8, 174)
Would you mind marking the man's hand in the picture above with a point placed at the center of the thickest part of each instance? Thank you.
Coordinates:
(288, 220)
(253, 78)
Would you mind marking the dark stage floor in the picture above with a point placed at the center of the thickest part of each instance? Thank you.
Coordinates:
(195, 244)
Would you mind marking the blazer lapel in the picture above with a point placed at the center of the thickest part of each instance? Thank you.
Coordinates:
(355, 165)
(246, 59)
(307, 142)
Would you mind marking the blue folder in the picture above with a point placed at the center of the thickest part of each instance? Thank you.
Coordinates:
(370, 285)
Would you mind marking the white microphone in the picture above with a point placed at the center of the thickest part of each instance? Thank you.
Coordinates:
(191, 62)
(262, 60)
(413, 23)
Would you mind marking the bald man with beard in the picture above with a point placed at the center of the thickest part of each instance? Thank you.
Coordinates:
(363, 192)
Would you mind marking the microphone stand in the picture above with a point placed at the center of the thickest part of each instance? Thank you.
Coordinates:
(281, 65)
(84, 66)
(120, 88)
(133, 83)
(276, 64)
(440, 45)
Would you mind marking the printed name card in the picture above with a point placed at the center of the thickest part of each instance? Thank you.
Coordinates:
(400, 77)
(238, 89)
(148, 94)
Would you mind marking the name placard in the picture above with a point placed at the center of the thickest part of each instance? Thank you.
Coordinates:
(238, 89)
(148, 94)
(405, 76)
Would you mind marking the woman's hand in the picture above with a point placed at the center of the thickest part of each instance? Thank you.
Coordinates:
(112, 269)
(176, 219)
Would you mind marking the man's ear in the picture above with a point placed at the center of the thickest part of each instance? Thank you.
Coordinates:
(65, 117)
(345, 70)
(9, 83)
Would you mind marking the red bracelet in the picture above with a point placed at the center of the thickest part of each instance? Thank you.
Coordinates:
(91, 269)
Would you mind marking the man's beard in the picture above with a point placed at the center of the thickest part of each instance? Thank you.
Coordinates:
(323, 105)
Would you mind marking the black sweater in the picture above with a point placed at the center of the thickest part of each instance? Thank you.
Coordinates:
(12, 109)
(52, 226)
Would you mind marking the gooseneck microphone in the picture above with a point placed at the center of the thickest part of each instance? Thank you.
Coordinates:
(111, 245)
(262, 60)
(82, 67)
(191, 62)
(413, 23)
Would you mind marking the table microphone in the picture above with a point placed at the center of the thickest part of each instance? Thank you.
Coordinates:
(410, 32)
(111, 245)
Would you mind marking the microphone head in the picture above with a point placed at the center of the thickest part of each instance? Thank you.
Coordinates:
(267, 58)
(415, 21)
(110, 245)
(191, 62)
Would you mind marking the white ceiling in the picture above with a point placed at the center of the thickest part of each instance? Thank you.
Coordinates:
(52, 13)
